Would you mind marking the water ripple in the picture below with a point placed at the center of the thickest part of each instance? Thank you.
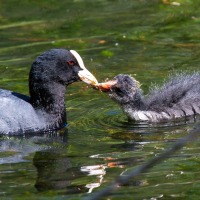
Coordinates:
(114, 119)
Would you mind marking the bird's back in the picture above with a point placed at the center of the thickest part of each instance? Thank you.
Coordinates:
(17, 114)
(180, 92)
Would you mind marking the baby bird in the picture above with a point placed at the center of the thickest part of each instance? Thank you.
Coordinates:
(179, 97)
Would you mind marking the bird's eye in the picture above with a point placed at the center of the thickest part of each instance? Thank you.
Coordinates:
(71, 63)
(118, 91)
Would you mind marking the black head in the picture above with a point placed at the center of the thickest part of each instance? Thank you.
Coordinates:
(60, 66)
(51, 72)
(123, 89)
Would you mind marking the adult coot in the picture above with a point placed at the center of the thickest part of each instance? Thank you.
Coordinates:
(45, 109)
(178, 97)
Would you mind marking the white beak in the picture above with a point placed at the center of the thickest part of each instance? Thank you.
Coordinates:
(84, 74)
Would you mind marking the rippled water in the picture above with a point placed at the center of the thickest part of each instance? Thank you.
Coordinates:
(148, 39)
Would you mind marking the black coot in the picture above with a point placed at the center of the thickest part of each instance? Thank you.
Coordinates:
(178, 97)
(45, 109)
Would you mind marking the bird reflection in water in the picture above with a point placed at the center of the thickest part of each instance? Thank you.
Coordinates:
(56, 172)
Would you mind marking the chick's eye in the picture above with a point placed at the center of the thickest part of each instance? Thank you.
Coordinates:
(118, 91)
(71, 62)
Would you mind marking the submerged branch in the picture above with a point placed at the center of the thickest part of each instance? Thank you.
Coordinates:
(121, 180)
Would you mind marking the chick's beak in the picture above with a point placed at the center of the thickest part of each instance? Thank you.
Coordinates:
(84, 74)
(106, 86)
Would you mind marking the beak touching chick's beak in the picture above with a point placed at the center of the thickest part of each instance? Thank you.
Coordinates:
(88, 78)
(84, 74)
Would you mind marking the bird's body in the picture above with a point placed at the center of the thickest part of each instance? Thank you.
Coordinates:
(10, 103)
(44, 110)
(178, 97)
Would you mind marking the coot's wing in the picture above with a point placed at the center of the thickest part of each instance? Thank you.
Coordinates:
(16, 113)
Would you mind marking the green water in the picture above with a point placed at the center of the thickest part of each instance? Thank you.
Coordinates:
(148, 39)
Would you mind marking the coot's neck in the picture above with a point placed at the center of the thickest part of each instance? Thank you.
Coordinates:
(135, 101)
(48, 99)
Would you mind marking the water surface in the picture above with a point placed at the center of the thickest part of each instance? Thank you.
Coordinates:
(147, 39)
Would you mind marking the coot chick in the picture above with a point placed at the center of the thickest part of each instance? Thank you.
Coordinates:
(45, 109)
(178, 97)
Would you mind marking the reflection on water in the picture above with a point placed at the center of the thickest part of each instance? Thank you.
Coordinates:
(59, 168)
(52, 170)
(95, 170)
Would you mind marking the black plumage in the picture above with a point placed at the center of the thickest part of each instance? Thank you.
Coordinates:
(44, 110)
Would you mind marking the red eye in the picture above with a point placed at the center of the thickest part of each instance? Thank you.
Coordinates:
(71, 62)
